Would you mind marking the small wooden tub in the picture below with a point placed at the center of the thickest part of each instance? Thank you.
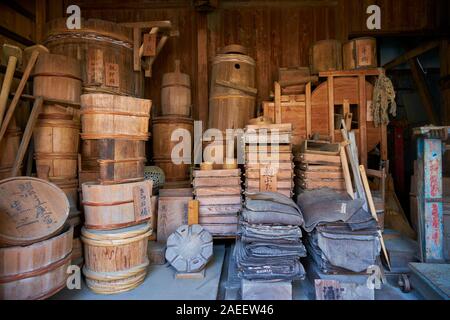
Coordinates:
(37, 271)
(116, 206)
(115, 260)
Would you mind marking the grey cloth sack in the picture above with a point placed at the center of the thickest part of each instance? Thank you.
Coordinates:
(277, 234)
(326, 205)
(264, 249)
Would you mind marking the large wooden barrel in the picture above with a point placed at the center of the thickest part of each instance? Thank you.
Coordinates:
(116, 206)
(57, 77)
(56, 144)
(163, 127)
(110, 155)
(176, 93)
(31, 210)
(37, 271)
(105, 50)
(9, 146)
(232, 90)
(106, 116)
(115, 260)
(360, 53)
(325, 55)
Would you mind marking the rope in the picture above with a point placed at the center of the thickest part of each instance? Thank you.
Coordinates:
(383, 96)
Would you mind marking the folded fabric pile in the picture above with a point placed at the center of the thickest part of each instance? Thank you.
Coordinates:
(269, 244)
(342, 235)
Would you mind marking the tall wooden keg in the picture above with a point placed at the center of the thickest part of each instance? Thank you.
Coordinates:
(56, 144)
(9, 146)
(128, 267)
(105, 50)
(360, 53)
(176, 93)
(232, 89)
(325, 55)
(57, 77)
(176, 175)
(36, 271)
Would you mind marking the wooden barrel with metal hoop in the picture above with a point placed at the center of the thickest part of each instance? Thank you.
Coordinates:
(176, 93)
(232, 89)
(176, 174)
(127, 270)
(37, 271)
(105, 51)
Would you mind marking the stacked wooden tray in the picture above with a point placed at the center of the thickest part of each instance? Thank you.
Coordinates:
(268, 158)
(219, 196)
(318, 165)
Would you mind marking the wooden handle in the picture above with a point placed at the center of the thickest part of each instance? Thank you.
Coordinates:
(6, 86)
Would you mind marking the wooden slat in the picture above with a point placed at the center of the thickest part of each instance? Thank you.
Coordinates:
(362, 119)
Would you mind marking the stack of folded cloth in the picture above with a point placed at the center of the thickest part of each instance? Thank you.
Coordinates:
(269, 244)
(342, 234)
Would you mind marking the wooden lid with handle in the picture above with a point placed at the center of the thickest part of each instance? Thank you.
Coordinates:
(176, 77)
(31, 210)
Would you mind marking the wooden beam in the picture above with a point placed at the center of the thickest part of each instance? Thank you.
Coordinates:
(136, 49)
(422, 89)
(148, 24)
(349, 73)
(41, 11)
(202, 104)
(411, 54)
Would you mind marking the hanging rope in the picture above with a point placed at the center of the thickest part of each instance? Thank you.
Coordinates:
(383, 96)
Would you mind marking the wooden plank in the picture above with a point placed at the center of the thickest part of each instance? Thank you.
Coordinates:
(314, 167)
(256, 183)
(315, 184)
(193, 212)
(362, 119)
(317, 175)
(269, 148)
(227, 200)
(424, 92)
(410, 54)
(308, 109)
(136, 44)
(217, 191)
(148, 47)
(319, 159)
(277, 103)
(165, 24)
(216, 173)
(12, 107)
(330, 84)
(216, 182)
(349, 73)
(281, 174)
(346, 173)
(257, 166)
(37, 108)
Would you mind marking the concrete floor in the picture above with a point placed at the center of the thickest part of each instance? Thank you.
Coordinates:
(220, 282)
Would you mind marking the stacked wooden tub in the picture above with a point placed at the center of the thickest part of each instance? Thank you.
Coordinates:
(35, 239)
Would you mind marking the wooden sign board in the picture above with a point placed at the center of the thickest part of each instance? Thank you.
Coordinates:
(149, 45)
(172, 213)
(142, 200)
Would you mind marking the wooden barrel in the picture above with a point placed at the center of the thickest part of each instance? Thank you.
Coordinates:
(163, 127)
(107, 116)
(57, 77)
(31, 210)
(37, 271)
(105, 51)
(116, 159)
(360, 53)
(232, 90)
(325, 55)
(70, 188)
(9, 146)
(116, 206)
(56, 144)
(115, 260)
(176, 93)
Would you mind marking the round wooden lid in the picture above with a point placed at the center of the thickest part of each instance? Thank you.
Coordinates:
(31, 210)
(233, 48)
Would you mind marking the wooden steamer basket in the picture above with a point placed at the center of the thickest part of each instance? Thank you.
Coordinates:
(115, 260)
(36, 271)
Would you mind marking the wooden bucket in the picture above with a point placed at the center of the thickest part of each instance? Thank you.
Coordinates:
(31, 210)
(107, 116)
(116, 206)
(176, 93)
(57, 77)
(105, 51)
(232, 91)
(9, 147)
(163, 146)
(70, 188)
(325, 55)
(360, 53)
(117, 160)
(37, 271)
(56, 148)
(115, 260)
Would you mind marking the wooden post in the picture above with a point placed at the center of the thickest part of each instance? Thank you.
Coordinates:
(277, 103)
(41, 11)
(136, 44)
(330, 81)
(193, 208)
(202, 104)
(362, 120)
(308, 109)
